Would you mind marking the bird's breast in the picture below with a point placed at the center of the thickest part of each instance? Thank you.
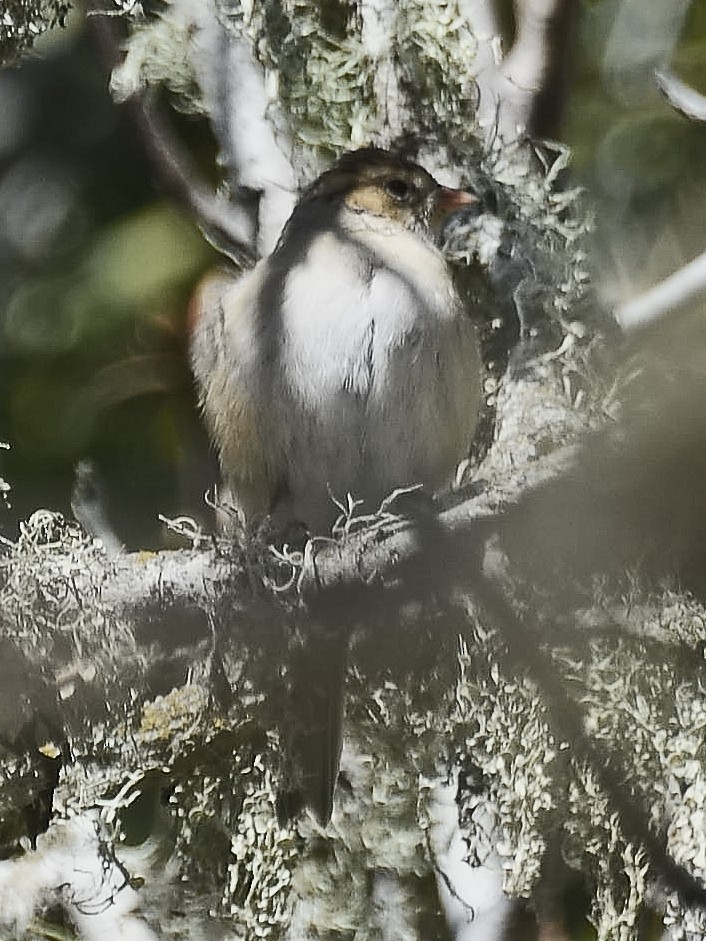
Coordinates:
(348, 306)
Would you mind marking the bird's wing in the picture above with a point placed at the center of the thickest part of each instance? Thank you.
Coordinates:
(233, 395)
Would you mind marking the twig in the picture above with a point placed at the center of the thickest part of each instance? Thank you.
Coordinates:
(221, 222)
(548, 25)
(218, 219)
(683, 97)
(675, 292)
(524, 91)
(249, 127)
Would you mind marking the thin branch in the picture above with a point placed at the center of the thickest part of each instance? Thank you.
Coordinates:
(535, 68)
(483, 22)
(522, 92)
(549, 102)
(221, 222)
(675, 292)
(251, 130)
(683, 97)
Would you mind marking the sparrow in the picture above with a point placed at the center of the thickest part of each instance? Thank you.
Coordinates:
(342, 364)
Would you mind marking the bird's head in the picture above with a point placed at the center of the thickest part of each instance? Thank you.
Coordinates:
(388, 185)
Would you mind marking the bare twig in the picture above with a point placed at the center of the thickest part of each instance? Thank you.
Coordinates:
(524, 91)
(251, 131)
(683, 97)
(222, 223)
(675, 292)
(545, 28)
(223, 226)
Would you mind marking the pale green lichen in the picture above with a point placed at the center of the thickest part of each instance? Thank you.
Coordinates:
(505, 733)
(262, 855)
(534, 792)
(345, 88)
(158, 53)
(190, 809)
(52, 558)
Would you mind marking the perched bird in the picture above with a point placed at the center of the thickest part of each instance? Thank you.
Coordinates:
(343, 363)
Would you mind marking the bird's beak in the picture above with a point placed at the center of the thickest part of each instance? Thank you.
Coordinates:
(447, 200)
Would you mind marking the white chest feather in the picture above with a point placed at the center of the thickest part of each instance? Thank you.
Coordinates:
(352, 302)
(379, 368)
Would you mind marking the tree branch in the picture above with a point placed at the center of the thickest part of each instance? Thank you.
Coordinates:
(522, 92)
(668, 297)
(223, 224)
(248, 124)
(683, 97)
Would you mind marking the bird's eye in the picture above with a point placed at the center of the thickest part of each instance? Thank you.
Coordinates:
(400, 190)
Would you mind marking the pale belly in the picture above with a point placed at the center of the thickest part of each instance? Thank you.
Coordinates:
(383, 394)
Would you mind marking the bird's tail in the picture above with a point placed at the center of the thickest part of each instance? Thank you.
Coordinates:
(317, 678)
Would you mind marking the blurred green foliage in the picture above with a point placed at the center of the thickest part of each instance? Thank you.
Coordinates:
(96, 268)
(641, 161)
